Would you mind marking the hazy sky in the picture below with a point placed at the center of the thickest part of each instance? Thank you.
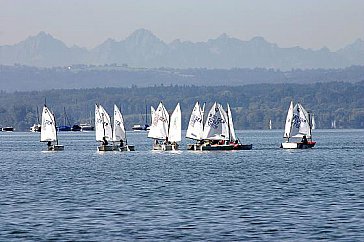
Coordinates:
(87, 23)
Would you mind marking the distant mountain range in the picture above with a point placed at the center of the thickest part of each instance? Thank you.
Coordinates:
(143, 49)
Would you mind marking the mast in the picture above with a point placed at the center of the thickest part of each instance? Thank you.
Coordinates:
(38, 115)
(228, 120)
(126, 138)
(310, 124)
(146, 114)
(103, 124)
(55, 124)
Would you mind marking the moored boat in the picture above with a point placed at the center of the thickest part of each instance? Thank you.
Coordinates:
(7, 129)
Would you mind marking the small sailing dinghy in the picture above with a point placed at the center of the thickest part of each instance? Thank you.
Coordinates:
(48, 131)
(103, 129)
(298, 127)
(195, 127)
(165, 130)
(119, 133)
(218, 132)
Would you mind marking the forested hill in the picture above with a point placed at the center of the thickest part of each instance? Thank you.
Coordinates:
(253, 105)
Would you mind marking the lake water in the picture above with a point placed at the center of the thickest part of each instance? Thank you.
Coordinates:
(263, 194)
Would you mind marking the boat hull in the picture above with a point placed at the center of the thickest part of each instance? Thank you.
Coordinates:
(124, 148)
(165, 147)
(202, 147)
(105, 148)
(297, 145)
(55, 148)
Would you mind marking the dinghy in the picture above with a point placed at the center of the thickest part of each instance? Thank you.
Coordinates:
(165, 130)
(119, 133)
(48, 131)
(103, 129)
(298, 127)
(218, 132)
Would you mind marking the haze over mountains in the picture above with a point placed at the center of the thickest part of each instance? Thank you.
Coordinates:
(143, 49)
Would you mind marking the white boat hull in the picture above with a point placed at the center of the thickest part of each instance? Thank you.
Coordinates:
(297, 145)
(165, 147)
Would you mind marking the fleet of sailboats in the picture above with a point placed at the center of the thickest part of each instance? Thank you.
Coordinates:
(49, 130)
(298, 127)
(166, 130)
(213, 131)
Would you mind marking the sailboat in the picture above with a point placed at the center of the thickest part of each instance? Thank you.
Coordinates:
(270, 124)
(36, 127)
(66, 124)
(298, 126)
(195, 127)
(119, 133)
(49, 131)
(145, 127)
(103, 129)
(218, 132)
(165, 130)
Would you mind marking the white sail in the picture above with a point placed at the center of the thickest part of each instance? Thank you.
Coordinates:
(48, 130)
(152, 111)
(270, 124)
(102, 124)
(118, 128)
(215, 120)
(195, 125)
(231, 124)
(225, 133)
(287, 127)
(159, 127)
(175, 125)
(313, 122)
(300, 124)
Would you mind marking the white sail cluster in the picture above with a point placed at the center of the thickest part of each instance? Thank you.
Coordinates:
(218, 125)
(164, 126)
(298, 122)
(103, 125)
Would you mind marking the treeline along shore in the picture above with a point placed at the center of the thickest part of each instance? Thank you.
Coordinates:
(252, 105)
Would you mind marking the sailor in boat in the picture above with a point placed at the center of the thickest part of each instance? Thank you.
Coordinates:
(121, 143)
(104, 141)
(49, 144)
(304, 140)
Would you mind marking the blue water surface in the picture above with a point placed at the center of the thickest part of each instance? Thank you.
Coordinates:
(265, 194)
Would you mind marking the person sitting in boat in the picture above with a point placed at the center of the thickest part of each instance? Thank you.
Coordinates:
(49, 143)
(167, 142)
(121, 143)
(304, 140)
(104, 141)
(221, 142)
